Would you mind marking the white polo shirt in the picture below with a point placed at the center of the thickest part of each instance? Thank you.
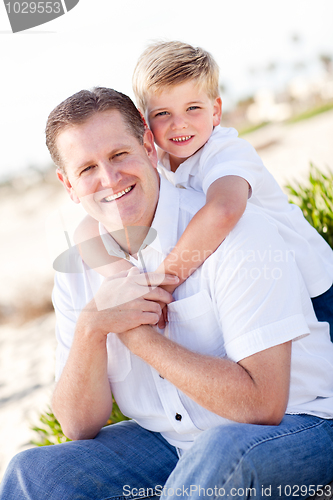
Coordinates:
(226, 154)
(245, 298)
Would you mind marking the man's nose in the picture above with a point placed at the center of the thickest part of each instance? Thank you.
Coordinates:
(109, 175)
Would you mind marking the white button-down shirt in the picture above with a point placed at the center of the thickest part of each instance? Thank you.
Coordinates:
(244, 298)
(226, 154)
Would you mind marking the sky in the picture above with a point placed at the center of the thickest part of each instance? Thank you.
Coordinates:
(99, 41)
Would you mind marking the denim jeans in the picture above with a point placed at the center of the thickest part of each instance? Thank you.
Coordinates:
(127, 461)
(323, 307)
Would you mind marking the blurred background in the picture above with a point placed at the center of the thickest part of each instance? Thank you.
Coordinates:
(276, 80)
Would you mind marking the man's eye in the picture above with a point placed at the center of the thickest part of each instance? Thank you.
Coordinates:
(87, 169)
(119, 155)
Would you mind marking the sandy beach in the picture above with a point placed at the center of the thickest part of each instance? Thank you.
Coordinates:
(27, 343)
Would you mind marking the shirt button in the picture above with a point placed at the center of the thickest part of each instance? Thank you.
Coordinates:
(178, 417)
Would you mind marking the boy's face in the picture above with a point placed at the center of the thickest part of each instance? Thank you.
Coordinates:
(182, 119)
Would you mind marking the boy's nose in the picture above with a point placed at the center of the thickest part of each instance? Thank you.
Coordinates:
(179, 122)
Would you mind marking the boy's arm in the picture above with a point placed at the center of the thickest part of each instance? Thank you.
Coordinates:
(93, 252)
(225, 204)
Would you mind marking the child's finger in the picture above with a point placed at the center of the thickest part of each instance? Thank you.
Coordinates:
(157, 294)
(165, 313)
(163, 318)
(161, 322)
(155, 279)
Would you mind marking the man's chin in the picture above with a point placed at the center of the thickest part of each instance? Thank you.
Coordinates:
(108, 216)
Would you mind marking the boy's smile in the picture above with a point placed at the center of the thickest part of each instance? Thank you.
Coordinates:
(182, 119)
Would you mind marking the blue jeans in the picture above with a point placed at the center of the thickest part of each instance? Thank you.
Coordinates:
(323, 307)
(127, 461)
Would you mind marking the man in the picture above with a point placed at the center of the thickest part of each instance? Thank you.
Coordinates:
(234, 398)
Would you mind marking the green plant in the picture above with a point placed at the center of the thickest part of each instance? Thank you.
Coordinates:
(316, 201)
(311, 112)
(50, 431)
(252, 128)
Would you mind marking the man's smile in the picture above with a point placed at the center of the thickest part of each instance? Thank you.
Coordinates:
(118, 195)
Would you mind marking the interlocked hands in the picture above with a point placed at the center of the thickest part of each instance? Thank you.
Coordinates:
(129, 299)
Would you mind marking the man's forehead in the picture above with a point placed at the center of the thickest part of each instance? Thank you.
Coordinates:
(82, 143)
(103, 125)
(109, 118)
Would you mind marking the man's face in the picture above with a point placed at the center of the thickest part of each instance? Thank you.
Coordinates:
(109, 171)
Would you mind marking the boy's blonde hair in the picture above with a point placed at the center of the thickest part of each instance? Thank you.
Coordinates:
(165, 64)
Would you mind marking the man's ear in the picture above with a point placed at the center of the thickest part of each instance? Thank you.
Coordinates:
(148, 143)
(65, 182)
(217, 113)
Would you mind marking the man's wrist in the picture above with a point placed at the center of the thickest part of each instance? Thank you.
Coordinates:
(88, 324)
(134, 339)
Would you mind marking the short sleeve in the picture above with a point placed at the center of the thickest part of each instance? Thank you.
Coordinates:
(66, 317)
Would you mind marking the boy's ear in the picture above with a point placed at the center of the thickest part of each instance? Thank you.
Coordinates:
(67, 185)
(148, 143)
(217, 114)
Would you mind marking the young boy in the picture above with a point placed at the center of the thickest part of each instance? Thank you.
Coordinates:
(177, 90)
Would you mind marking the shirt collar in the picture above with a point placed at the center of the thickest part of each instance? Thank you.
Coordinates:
(166, 217)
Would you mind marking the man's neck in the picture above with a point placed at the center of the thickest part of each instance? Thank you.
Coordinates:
(130, 238)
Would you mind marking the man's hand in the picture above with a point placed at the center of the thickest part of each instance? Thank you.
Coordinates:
(126, 301)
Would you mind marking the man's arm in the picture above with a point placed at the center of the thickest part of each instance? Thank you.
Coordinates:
(254, 390)
(82, 400)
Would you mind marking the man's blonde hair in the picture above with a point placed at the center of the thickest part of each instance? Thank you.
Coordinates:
(165, 64)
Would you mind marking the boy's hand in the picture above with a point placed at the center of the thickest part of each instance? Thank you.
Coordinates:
(163, 318)
(169, 288)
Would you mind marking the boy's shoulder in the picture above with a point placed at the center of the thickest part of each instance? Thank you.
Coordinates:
(224, 144)
(221, 139)
(222, 134)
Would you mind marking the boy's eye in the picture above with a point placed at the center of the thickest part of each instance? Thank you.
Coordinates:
(193, 107)
(161, 113)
